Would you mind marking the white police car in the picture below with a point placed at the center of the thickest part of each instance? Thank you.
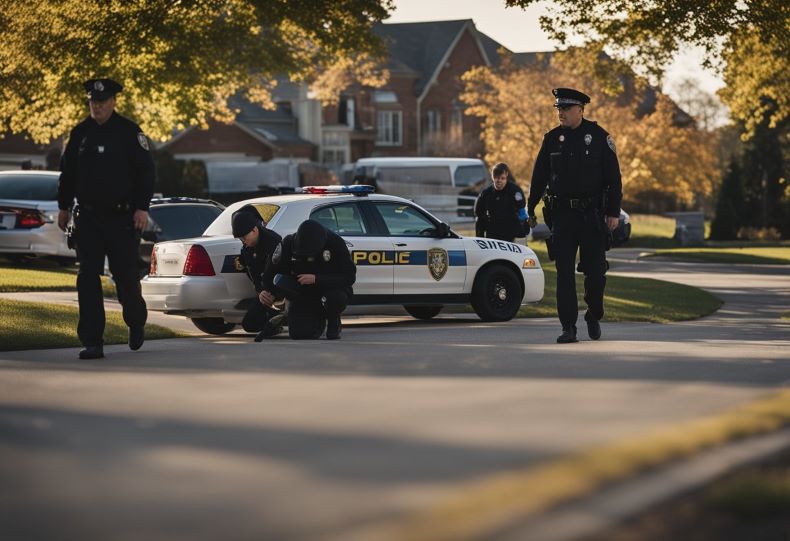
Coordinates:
(404, 256)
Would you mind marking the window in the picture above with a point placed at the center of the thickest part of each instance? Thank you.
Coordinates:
(390, 125)
(466, 175)
(457, 124)
(433, 121)
(346, 111)
(342, 219)
(418, 175)
(405, 220)
(29, 187)
(182, 221)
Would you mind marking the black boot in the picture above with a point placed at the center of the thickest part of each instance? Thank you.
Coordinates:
(136, 337)
(593, 327)
(333, 328)
(268, 331)
(568, 335)
(92, 352)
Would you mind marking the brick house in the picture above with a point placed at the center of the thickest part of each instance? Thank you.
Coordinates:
(418, 111)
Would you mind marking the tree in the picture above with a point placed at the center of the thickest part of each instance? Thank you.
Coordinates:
(729, 205)
(178, 61)
(647, 35)
(658, 158)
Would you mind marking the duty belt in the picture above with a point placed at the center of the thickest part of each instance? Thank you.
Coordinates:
(561, 201)
(117, 208)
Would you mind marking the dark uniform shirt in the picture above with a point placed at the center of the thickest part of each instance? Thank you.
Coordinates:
(497, 212)
(107, 165)
(257, 261)
(333, 267)
(578, 163)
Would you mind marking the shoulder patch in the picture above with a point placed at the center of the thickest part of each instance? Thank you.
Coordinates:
(610, 142)
(519, 196)
(143, 140)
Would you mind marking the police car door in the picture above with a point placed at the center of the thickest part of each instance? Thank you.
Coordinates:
(424, 264)
(374, 276)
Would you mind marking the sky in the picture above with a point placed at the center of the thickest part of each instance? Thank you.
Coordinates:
(519, 30)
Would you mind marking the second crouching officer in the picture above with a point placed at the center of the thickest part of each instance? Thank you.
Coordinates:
(315, 271)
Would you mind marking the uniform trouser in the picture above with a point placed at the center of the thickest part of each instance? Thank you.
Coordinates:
(113, 236)
(579, 229)
(309, 309)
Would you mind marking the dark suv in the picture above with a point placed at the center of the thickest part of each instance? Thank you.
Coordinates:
(174, 218)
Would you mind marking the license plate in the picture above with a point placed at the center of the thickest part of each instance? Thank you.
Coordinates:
(7, 220)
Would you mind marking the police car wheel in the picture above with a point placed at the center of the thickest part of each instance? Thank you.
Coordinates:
(212, 325)
(496, 295)
(422, 312)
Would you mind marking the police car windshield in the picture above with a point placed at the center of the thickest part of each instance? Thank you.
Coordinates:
(29, 187)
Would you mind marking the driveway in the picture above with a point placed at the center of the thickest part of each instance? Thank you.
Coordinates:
(222, 438)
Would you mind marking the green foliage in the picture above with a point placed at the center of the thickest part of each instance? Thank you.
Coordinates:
(14, 279)
(750, 39)
(35, 325)
(178, 61)
(729, 205)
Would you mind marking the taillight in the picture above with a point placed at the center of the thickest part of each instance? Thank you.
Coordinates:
(152, 269)
(27, 218)
(198, 262)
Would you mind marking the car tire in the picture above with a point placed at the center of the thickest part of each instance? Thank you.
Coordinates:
(213, 325)
(496, 295)
(423, 312)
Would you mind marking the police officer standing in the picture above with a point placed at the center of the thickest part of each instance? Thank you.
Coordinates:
(107, 166)
(499, 209)
(315, 271)
(577, 168)
(259, 244)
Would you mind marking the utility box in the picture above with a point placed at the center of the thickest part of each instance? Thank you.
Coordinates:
(689, 227)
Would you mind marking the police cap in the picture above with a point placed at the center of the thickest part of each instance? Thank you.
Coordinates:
(243, 222)
(101, 89)
(569, 96)
(309, 239)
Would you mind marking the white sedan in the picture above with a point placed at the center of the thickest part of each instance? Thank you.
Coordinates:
(404, 256)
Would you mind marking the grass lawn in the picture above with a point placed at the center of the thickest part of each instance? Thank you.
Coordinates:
(628, 299)
(34, 325)
(756, 254)
(14, 279)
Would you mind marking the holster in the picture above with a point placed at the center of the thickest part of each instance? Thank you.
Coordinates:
(549, 221)
(71, 229)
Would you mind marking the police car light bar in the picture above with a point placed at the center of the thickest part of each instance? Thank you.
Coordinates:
(357, 189)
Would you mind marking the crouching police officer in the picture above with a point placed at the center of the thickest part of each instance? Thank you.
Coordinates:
(315, 271)
(107, 166)
(577, 167)
(499, 209)
(259, 244)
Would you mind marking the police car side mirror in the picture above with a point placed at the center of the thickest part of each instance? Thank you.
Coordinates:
(443, 230)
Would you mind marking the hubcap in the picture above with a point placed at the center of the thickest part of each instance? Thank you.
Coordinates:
(501, 293)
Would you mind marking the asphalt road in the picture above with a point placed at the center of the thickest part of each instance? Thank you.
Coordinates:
(222, 438)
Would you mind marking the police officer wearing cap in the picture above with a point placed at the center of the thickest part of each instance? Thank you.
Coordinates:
(259, 244)
(315, 271)
(578, 176)
(499, 209)
(108, 168)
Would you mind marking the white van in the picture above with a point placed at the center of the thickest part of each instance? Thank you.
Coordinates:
(446, 186)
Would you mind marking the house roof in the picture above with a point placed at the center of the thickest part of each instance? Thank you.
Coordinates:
(418, 48)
